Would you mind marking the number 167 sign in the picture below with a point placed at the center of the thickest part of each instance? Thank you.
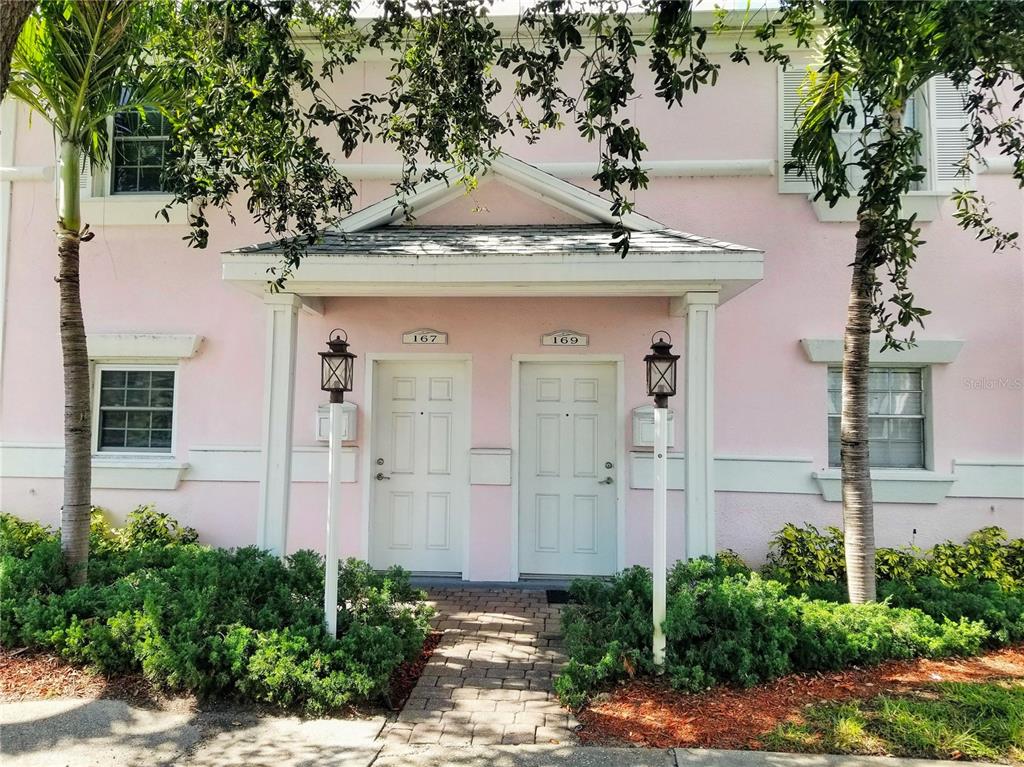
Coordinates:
(565, 338)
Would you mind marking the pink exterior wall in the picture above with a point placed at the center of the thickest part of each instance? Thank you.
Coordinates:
(770, 401)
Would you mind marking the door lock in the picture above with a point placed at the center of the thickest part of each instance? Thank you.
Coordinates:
(609, 465)
(380, 461)
(380, 476)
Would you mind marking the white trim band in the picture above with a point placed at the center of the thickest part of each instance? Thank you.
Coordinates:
(929, 352)
(142, 346)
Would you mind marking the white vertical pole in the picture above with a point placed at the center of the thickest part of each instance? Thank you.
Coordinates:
(660, 529)
(333, 507)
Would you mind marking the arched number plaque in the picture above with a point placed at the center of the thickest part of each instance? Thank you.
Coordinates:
(425, 336)
(565, 338)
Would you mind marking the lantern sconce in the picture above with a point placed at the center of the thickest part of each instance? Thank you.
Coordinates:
(336, 366)
(661, 369)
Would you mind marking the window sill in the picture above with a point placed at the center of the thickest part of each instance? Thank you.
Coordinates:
(926, 205)
(891, 485)
(122, 471)
(131, 210)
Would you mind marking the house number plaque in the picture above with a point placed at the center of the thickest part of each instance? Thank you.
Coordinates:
(425, 336)
(565, 338)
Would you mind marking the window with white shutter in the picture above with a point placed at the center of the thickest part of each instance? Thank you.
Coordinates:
(790, 82)
(948, 138)
(937, 112)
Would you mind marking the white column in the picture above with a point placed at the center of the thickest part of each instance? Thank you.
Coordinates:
(660, 530)
(699, 417)
(333, 512)
(278, 405)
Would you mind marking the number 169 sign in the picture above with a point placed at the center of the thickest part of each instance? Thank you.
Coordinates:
(565, 338)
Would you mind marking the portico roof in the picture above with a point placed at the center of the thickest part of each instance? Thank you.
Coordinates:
(374, 253)
(449, 241)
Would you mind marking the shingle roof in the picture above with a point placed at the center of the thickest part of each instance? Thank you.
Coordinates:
(523, 240)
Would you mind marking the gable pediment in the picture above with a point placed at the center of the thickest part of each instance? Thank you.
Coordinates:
(531, 187)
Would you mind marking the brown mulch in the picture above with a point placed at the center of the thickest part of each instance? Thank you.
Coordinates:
(33, 675)
(405, 676)
(650, 713)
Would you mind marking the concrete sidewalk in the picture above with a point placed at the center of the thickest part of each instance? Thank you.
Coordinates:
(104, 733)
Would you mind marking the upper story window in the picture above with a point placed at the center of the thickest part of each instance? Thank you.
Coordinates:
(936, 111)
(896, 417)
(135, 409)
(140, 145)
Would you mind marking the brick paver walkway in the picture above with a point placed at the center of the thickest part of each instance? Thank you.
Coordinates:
(489, 681)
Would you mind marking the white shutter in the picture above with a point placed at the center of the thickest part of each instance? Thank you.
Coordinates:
(949, 138)
(790, 82)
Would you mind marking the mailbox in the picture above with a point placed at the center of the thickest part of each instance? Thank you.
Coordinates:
(643, 426)
(348, 422)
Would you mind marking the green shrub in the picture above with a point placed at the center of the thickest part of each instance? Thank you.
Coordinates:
(982, 556)
(801, 556)
(1000, 609)
(835, 636)
(724, 626)
(804, 558)
(899, 564)
(18, 538)
(735, 629)
(210, 621)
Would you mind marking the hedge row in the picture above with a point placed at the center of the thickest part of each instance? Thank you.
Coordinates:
(239, 623)
(806, 558)
(726, 624)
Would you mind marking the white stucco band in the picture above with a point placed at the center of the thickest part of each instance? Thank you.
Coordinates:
(142, 346)
(924, 352)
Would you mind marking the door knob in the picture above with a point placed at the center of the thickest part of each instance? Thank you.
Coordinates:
(606, 481)
(380, 476)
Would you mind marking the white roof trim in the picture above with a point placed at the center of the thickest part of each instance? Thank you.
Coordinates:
(530, 179)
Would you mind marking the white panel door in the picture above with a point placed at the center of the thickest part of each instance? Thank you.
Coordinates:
(567, 454)
(419, 473)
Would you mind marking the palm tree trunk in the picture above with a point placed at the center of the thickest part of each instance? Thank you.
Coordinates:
(858, 506)
(74, 526)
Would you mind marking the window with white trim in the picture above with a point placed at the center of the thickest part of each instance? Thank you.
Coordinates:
(896, 417)
(140, 151)
(936, 111)
(135, 409)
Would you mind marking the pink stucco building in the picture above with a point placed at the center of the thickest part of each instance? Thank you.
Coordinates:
(499, 425)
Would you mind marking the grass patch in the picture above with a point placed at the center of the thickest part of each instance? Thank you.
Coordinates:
(949, 720)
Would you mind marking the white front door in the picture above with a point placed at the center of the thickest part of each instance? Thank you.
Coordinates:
(419, 473)
(567, 454)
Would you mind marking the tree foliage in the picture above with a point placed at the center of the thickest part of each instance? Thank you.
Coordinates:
(869, 60)
(256, 103)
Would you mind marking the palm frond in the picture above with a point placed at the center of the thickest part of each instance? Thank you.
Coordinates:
(78, 62)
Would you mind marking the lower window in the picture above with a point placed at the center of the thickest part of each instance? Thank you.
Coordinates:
(136, 410)
(896, 417)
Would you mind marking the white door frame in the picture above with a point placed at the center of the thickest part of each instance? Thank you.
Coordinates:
(620, 444)
(370, 380)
